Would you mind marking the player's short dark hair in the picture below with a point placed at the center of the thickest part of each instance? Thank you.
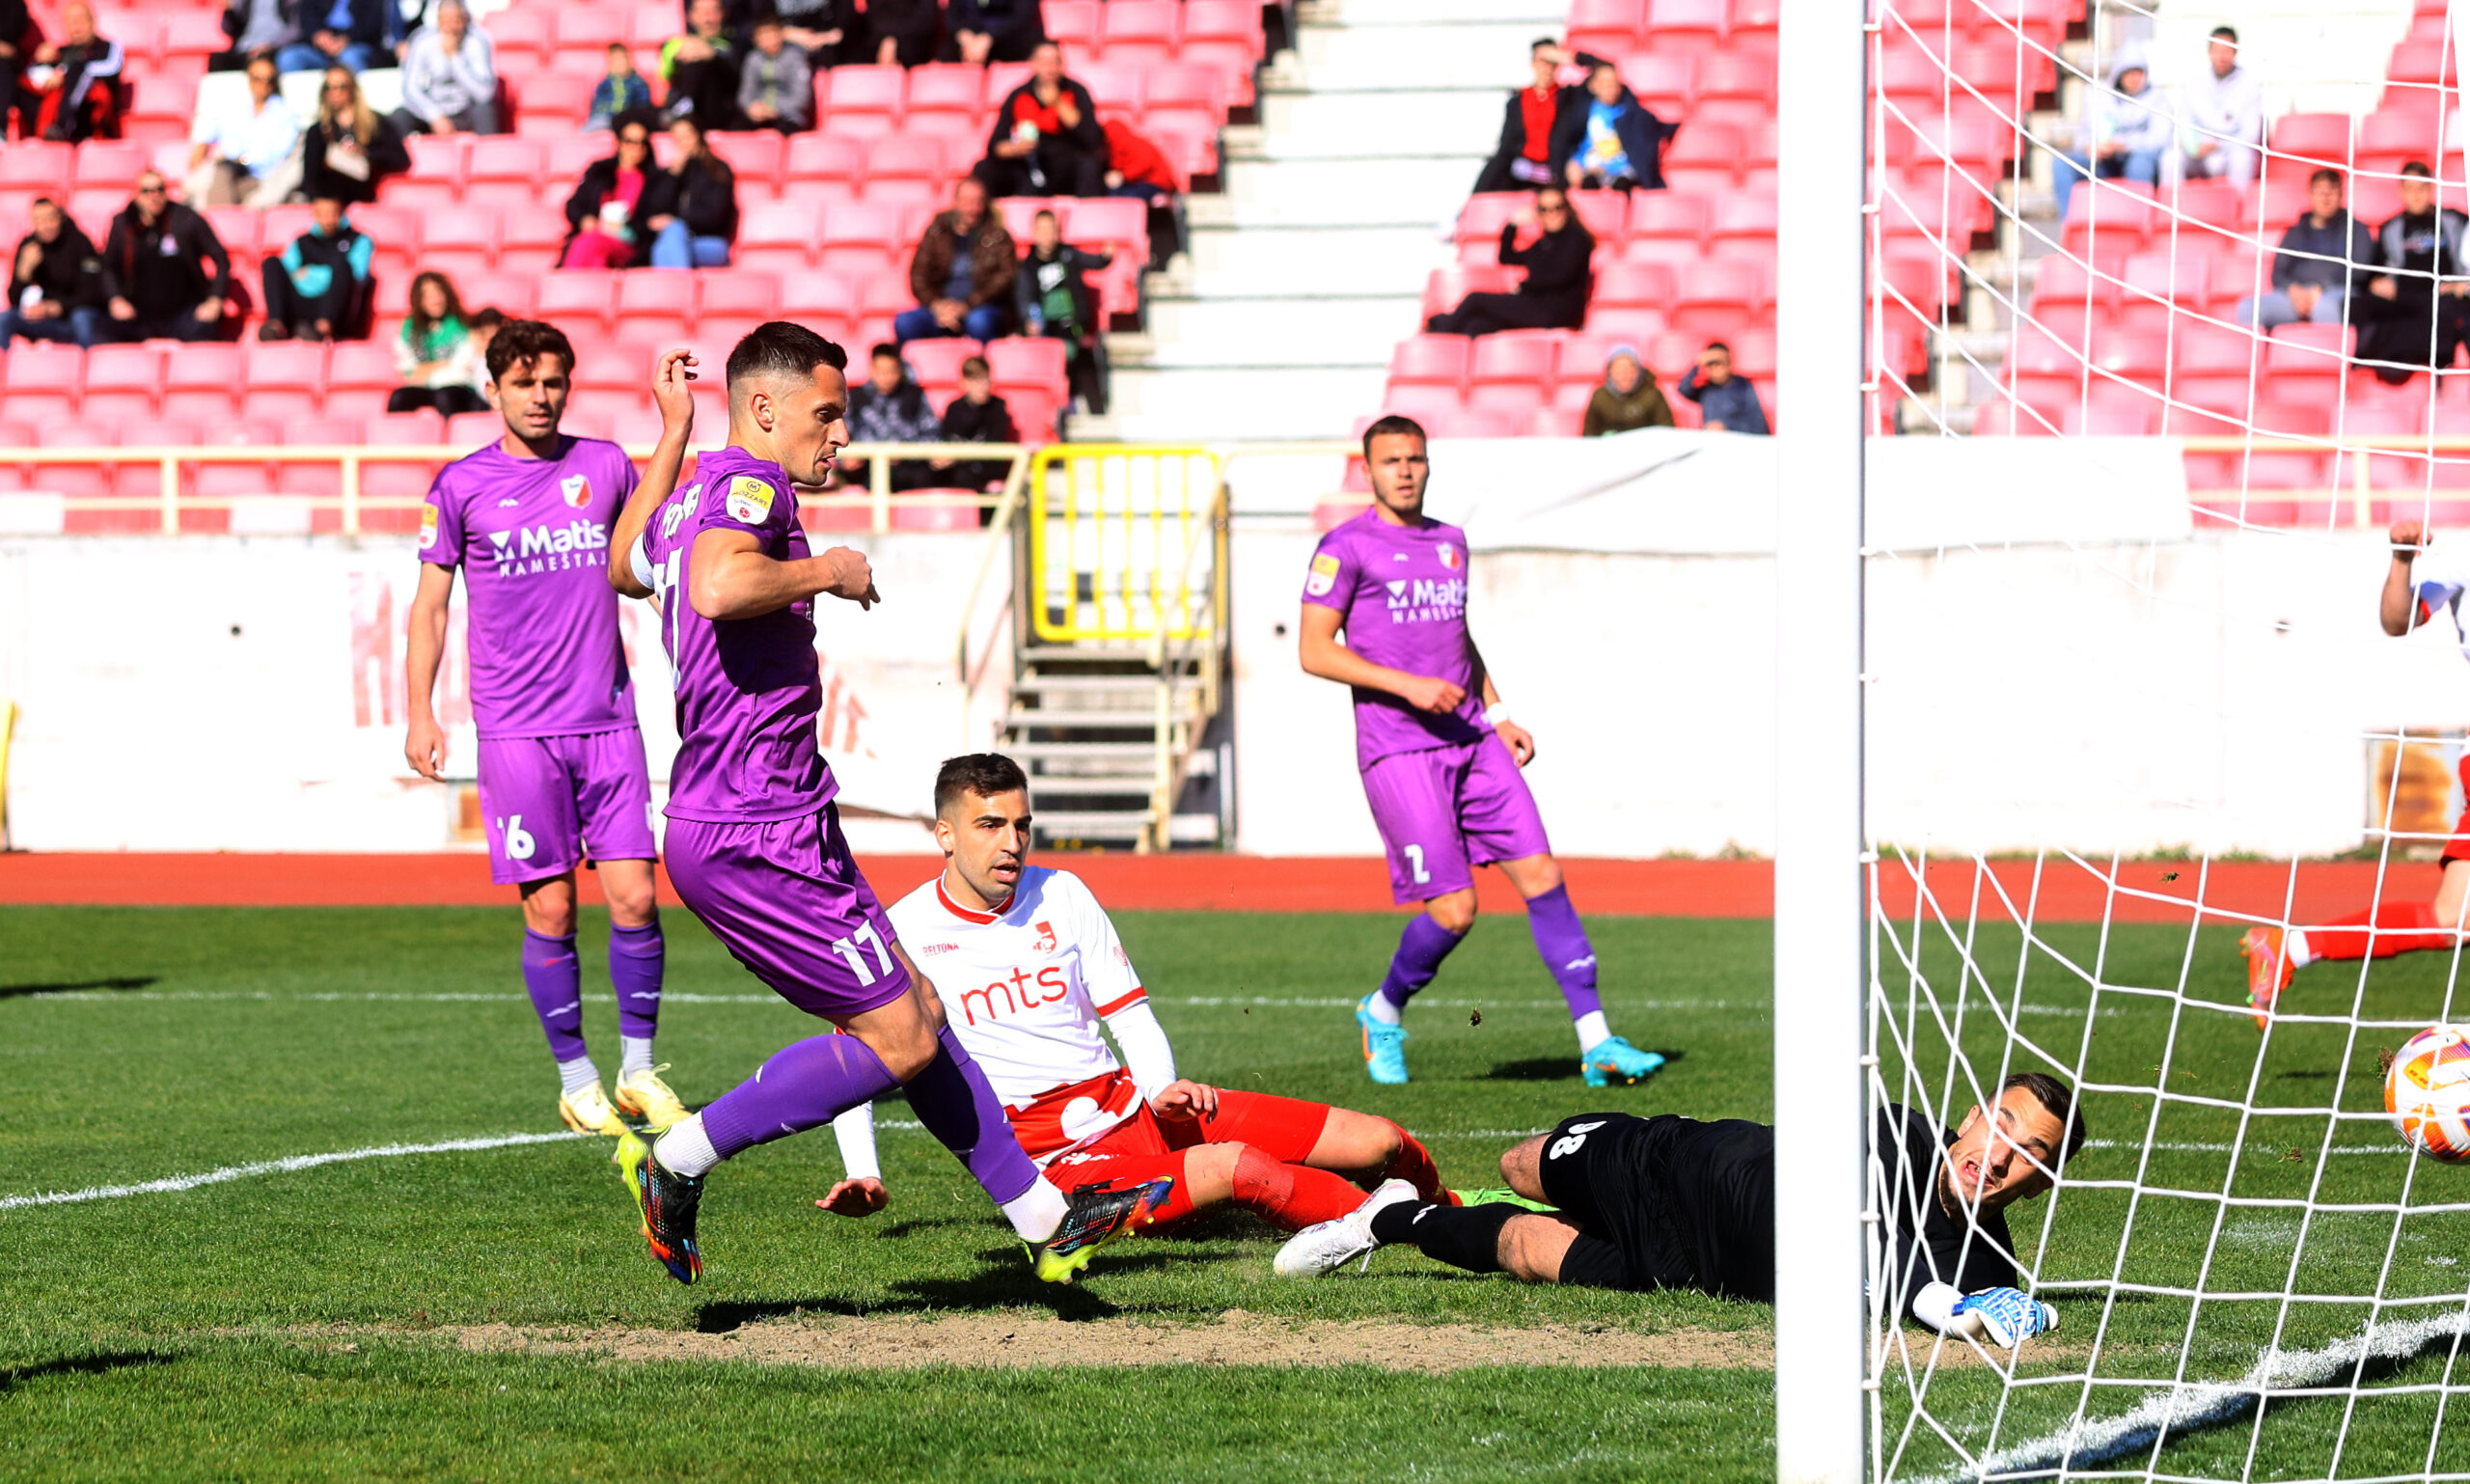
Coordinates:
(519, 341)
(883, 351)
(2228, 33)
(1393, 422)
(2325, 175)
(983, 774)
(773, 349)
(489, 319)
(976, 365)
(1045, 214)
(2060, 1100)
(1538, 43)
(1717, 345)
(2418, 169)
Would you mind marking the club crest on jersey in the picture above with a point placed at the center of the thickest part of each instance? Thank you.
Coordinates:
(428, 526)
(1324, 577)
(1045, 943)
(577, 488)
(750, 499)
(1449, 555)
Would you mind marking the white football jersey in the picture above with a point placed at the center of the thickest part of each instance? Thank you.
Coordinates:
(1024, 989)
(2441, 574)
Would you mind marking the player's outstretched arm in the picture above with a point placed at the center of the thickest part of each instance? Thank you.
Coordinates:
(1321, 654)
(862, 1192)
(670, 381)
(423, 740)
(733, 578)
(2399, 603)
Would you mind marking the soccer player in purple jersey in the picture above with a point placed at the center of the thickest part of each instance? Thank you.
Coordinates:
(563, 778)
(754, 841)
(1439, 752)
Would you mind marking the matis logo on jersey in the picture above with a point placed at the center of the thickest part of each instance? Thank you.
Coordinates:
(1045, 943)
(550, 548)
(577, 488)
(1427, 599)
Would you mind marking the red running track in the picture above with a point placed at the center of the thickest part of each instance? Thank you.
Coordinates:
(2148, 891)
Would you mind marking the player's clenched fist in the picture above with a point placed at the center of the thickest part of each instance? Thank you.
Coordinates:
(855, 1197)
(2410, 538)
(670, 377)
(424, 748)
(853, 577)
(1429, 693)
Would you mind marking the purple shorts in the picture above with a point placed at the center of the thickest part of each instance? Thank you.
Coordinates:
(1443, 811)
(784, 898)
(548, 802)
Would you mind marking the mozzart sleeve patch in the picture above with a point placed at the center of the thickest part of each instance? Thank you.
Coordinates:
(748, 499)
(1324, 576)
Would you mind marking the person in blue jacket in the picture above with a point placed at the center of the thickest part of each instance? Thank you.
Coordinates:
(1727, 402)
(1615, 141)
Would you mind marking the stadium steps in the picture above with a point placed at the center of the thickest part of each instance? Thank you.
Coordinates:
(1110, 737)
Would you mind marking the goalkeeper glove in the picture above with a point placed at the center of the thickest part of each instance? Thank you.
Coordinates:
(2003, 1316)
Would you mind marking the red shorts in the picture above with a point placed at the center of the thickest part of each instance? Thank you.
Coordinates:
(1144, 1147)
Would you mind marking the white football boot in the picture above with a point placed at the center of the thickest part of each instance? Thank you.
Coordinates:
(1332, 1245)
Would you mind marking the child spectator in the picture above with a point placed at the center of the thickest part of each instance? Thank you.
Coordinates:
(1627, 399)
(1614, 141)
(889, 407)
(1727, 402)
(622, 90)
(976, 415)
(315, 291)
(1053, 298)
(776, 87)
(430, 354)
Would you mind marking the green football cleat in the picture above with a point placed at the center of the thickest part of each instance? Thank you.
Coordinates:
(666, 1200)
(1094, 1215)
(1500, 1196)
(1614, 1062)
(1384, 1046)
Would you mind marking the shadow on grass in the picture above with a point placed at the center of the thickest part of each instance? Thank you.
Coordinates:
(12, 1377)
(62, 986)
(1006, 1283)
(1559, 1068)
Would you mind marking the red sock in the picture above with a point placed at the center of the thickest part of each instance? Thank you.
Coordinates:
(1414, 1163)
(1291, 1196)
(2401, 928)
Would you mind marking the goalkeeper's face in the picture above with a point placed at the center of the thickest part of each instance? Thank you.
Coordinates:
(1998, 1159)
(987, 841)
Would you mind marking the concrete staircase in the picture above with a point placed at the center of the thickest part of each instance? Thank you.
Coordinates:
(1114, 739)
(1310, 266)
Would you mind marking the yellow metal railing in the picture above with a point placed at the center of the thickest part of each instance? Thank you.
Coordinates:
(1115, 537)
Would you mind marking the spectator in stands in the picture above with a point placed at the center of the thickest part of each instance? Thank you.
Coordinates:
(962, 272)
(1046, 139)
(1524, 158)
(825, 32)
(20, 36)
(1627, 399)
(889, 407)
(2411, 317)
(432, 354)
(691, 208)
(701, 66)
(450, 78)
(1558, 275)
(1613, 141)
(73, 91)
(976, 415)
(1136, 168)
(258, 29)
(351, 147)
(984, 31)
(2319, 254)
(1726, 403)
(900, 33)
(165, 272)
(2223, 114)
(56, 282)
(604, 216)
(2129, 131)
(357, 34)
(1053, 298)
(317, 289)
(621, 92)
(236, 151)
(775, 86)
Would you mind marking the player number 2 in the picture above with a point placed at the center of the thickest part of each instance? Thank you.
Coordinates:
(1415, 856)
(519, 839)
(847, 947)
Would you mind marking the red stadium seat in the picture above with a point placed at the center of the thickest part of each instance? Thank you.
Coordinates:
(583, 302)
(1141, 32)
(195, 33)
(438, 159)
(458, 244)
(108, 165)
(738, 292)
(862, 235)
(1749, 76)
(1690, 24)
(1753, 20)
(2308, 350)
(844, 92)
(1607, 26)
(529, 241)
(1647, 284)
(1518, 357)
(592, 27)
(1664, 81)
(936, 363)
(1430, 360)
(2315, 138)
(1446, 287)
(777, 236)
(523, 37)
(1744, 216)
(41, 381)
(202, 383)
(1072, 24)
(37, 165)
(755, 157)
(907, 156)
(1027, 361)
(284, 379)
(1516, 400)
(360, 370)
(1222, 20)
(947, 87)
(1605, 213)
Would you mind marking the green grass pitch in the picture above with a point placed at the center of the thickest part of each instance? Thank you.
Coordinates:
(303, 1324)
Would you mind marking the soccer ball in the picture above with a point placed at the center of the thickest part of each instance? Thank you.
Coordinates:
(2428, 1092)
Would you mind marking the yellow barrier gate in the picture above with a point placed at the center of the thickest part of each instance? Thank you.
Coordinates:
(1127, 543)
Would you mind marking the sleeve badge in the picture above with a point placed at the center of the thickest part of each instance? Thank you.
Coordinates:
(1324, 576)
(428, 526)
(750, 499)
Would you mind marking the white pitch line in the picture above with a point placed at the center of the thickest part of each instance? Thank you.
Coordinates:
(2275, 1150)
(178, 1183)
(2088, 1444)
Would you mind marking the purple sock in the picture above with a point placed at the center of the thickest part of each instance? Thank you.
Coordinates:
(636, 955)
(555, 981)
(1420, 949)
(953, 1099)
(1562, 944)
(806, 1083)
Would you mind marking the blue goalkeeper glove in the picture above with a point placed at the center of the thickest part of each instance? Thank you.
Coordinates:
(2004, 1316)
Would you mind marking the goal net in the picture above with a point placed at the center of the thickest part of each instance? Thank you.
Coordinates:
(2134, 697)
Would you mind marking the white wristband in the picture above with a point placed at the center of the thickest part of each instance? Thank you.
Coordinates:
(1496, 714)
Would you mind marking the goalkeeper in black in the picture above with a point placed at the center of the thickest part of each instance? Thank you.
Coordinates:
(1672, 1202)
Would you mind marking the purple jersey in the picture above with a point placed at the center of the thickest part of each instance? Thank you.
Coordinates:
(532, 536)
(1401, 593)
(747, 689)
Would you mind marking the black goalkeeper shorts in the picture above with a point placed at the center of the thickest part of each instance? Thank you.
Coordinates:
(1598, 1168)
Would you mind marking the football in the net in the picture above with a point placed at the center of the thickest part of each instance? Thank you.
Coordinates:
(2428, 1092)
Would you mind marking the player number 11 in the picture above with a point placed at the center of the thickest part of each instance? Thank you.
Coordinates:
(847, 947)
